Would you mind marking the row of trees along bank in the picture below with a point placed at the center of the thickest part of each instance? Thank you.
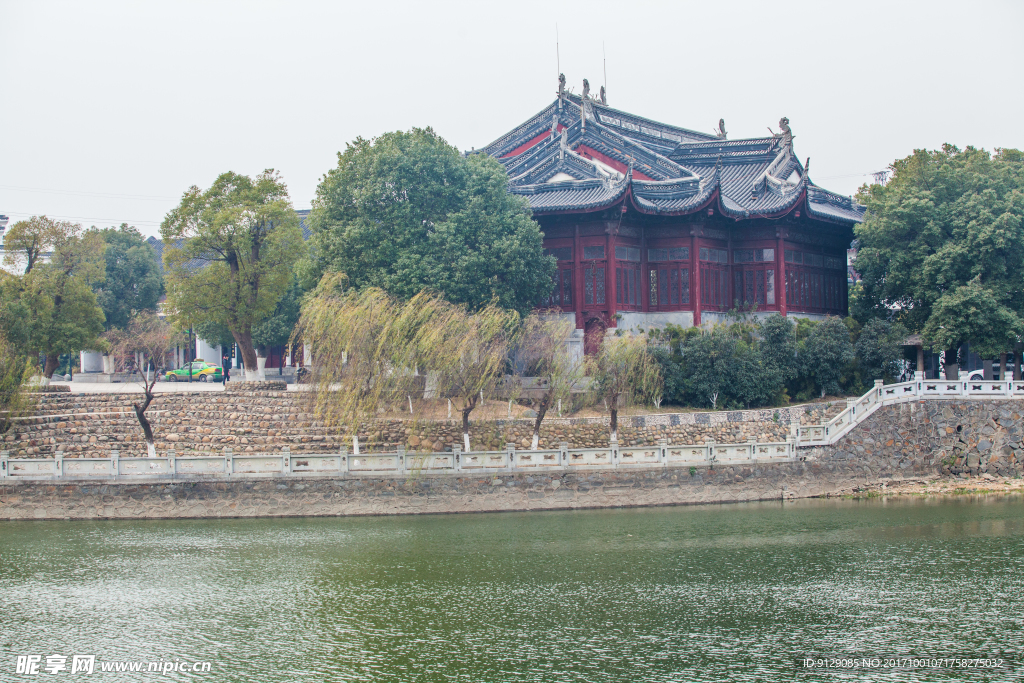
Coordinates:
(63, 286)
(751, 363)
(373, 351)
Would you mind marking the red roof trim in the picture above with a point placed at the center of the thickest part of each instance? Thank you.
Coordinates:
(589, 153)
(531, 143)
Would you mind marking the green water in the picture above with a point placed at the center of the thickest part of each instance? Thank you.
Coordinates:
(731, 592)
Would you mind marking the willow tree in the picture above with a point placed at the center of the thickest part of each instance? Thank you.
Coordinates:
(367, 347)
(15, 368)
(52, 305)
(358, 351)
(467, 350)
(544, 355)
(230, 253)
(624, 373)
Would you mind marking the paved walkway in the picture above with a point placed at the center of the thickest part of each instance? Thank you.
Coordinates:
(135, 387)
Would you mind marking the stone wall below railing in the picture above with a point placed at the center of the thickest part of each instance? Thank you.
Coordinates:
(86, 425)
(915, 441)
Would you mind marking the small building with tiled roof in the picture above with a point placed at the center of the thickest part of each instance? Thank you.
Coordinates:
(655, 224)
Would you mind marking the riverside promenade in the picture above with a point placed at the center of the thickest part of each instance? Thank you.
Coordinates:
(913, 431)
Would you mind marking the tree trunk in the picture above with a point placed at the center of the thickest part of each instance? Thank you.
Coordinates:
(952, 368)
(248, 352)
(1016, 362)
(147, 429)
(52, 361)
(615, 423)
(542, 409)
(467, 408)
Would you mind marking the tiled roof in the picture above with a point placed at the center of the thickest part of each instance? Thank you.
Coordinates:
(613, 151)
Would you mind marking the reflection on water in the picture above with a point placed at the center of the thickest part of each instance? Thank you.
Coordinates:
(733, 592)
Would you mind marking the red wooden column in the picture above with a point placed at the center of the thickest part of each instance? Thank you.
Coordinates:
(609, 278)
(780, 270)
(577, 277)
(695, 276)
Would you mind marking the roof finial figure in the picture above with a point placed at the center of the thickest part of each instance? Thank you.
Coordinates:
(721, 130)
(554, 125)
(604, 96)
(787, 132)
(561, 89)
(563, 143)
(586, 89)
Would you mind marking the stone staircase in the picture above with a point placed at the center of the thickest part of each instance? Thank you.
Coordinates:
(81, 424)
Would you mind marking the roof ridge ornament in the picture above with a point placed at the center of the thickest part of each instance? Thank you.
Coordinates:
(554, 126)
(604, 96)
(586, 104)
(563, 143)
(787, 132)
(721, 133)
(561, 90)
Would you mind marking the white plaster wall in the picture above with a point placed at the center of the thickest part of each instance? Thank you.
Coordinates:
(91, 361)
(211, 354)
(634, 320)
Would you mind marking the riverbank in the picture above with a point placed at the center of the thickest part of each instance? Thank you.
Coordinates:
(944, 486)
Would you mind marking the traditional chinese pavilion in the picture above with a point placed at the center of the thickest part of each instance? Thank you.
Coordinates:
(655, 224)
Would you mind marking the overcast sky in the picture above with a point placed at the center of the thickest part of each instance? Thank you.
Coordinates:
(109, 111)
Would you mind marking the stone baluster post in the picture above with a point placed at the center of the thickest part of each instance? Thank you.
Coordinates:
(663, 452)
(613, 448)
(4, 464)
(342, 460)
(229, 462)
(286, 460)
(457, 454)
(115, 462)
(563, 453)
(401, 459)
(172, 463)
(510, 454)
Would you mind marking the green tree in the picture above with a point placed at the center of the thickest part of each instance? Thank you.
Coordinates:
(51, 309)
(879, 349)
(709, 366)
(28, 241)
(277, 329)
(406, 211)
(14, 370)
(826, 352)
(133, 282)
(946, 219)
(972, 312)
(230, 254)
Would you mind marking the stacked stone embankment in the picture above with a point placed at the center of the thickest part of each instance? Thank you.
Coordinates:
(916, 441)
(91, 425)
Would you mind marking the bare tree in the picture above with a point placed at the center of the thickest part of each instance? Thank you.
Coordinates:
(142, 350)
(544, 356)
(624, 373)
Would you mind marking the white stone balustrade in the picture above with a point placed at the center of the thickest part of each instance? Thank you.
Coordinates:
(564, 459)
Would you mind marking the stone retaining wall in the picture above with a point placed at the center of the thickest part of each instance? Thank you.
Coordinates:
(913, 441)
(91, 425)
